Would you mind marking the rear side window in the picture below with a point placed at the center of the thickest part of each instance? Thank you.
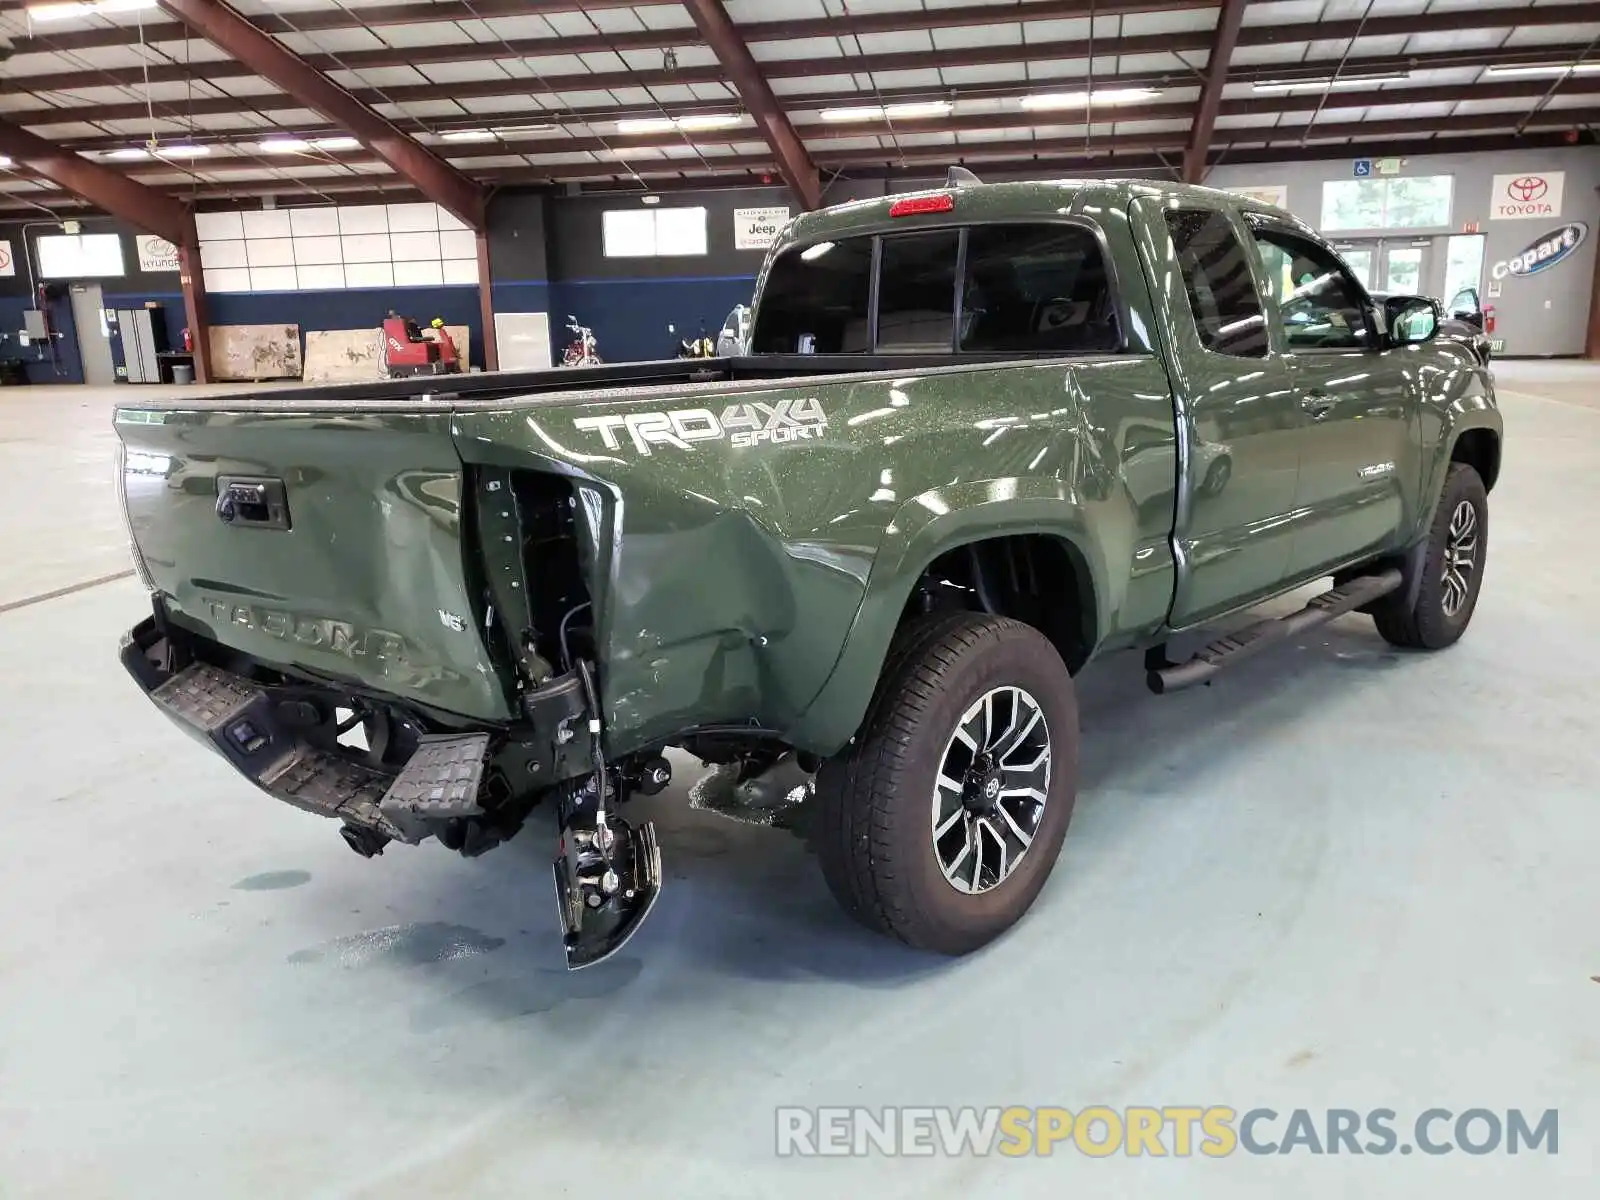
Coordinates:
(1037, 289)
(1216, 275)
(917, 292)
(815, 301)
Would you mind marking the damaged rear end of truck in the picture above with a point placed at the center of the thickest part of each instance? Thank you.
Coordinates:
(403, 615)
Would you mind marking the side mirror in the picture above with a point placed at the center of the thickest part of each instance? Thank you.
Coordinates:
(1411, 319)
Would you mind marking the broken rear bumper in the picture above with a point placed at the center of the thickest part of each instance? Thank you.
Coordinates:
(261, 731)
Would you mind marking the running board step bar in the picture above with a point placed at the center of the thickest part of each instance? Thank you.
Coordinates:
(1236, 647)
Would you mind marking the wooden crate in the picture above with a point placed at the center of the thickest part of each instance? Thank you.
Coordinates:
(255, 352)
(344, 355)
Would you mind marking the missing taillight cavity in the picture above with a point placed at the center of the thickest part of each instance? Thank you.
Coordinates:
(944, 202)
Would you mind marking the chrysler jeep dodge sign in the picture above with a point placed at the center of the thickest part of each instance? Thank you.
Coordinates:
(1527, 196)
(757, 228)
(1554, 247)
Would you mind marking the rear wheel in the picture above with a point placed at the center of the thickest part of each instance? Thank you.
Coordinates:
(941, 822)
(1452, 570)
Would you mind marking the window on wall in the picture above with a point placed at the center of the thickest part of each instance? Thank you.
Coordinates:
(80, 256)
(653, 232)
(1387, 202)
(334, 248)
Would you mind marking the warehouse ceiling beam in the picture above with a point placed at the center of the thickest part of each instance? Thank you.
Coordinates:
(1272, 34)
(269, 58)
(1109, 152)
(142, 207)
(376, 17)
(68, 109)
(1273, 105)
(794, 164)
(640, 151)
(1229, 21)
(598, 179)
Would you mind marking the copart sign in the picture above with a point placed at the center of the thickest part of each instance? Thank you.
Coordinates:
(738, 425)
(1554, 247)
(1526, 196)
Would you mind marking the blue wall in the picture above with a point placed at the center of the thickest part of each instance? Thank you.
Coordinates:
(67, 368)
(630, 316)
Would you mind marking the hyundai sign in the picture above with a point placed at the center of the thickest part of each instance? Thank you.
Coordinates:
(1552, 248)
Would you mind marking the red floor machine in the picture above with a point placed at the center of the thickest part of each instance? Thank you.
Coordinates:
(408, 350)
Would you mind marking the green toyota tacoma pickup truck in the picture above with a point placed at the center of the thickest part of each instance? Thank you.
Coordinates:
(983, 435)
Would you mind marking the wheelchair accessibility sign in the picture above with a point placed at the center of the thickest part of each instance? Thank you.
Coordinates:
(1363, 168)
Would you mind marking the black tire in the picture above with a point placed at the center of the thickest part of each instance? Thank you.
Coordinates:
(1428, 623)
(875, 817)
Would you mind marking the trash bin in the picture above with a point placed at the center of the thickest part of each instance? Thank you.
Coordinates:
(182, 373)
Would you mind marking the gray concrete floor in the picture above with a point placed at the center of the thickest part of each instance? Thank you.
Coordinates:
(1341, 877)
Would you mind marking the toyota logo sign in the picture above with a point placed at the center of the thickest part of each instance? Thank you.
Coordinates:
(1527, 188)
(1527, 196)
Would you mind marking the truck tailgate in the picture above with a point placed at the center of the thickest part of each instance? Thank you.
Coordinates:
(360, 577)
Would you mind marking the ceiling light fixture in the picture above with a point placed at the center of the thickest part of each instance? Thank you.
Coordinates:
(6, 162)
(1084, 99)
(88, 8)
(670, 124)
(521, 130)
(468, 135)
(1327, 83)
(294, 145)
(1513, 70)
(181, 151)
(127, 153)
(892, 112)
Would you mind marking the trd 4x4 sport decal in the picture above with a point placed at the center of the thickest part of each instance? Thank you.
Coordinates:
(739, 424)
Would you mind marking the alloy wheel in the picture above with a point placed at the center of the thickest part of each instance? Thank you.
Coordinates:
(990, 793)
(1460, 557)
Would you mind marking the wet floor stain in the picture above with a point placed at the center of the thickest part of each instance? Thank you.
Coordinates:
(527, 995)
(411, 945)
(273, 881)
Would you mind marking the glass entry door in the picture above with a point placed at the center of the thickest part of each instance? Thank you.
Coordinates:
(1403, 268)
(1359, 259)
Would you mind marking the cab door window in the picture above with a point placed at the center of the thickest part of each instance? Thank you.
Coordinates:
(1319, 303)
(1216, 275)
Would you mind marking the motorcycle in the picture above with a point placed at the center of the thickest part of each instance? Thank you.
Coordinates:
(581, 351)
(700, 347)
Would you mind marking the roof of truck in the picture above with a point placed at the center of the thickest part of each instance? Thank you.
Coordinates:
(977, 202)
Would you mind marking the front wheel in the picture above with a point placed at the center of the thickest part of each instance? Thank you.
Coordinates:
(941, 821)
(1444, 598)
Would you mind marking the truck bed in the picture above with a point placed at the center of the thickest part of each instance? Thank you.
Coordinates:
(663, 377)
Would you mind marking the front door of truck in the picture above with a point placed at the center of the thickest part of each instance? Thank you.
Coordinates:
(1237, 413)
(1353, 399)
